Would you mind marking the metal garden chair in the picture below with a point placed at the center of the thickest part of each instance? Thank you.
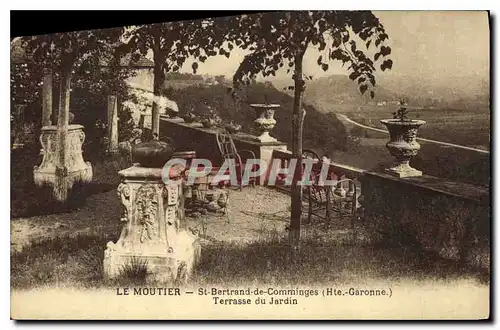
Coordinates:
(228, 150)
(322, 201)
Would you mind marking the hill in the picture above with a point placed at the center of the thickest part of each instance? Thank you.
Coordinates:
(322, 131)
(424, 92)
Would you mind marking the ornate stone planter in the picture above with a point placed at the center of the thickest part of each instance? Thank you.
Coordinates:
(209, 123)
(232, 128)
(403, 145)
(265, 121)
(189, 117)
(78, 170)
(152, 153)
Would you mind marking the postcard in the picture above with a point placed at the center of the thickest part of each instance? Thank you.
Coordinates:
(288, 165)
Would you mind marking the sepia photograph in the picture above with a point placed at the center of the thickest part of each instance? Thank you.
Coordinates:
(266, 165)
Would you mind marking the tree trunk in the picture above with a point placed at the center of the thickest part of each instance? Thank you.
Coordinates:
(112, 124)
(159, 79)
(47, 98)
(61, 188)
(297, 120)
(18, 127)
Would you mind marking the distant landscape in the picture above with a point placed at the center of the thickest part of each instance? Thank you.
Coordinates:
(456, 112)
(463, 107)
(463, 120)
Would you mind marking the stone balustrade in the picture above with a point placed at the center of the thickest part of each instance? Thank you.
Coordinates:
(192, 136)
(449, 218)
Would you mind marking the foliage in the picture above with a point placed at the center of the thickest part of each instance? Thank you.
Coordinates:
(183, 76)
(211, 114)
(25, 83)
(70, 50)
(280, 38)
(221, 79)
(172, 43)
(402, 113)
(276, 39)
(95, 74)
(360, 132)
(134, 272)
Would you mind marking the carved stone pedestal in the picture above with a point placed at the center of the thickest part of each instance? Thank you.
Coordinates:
(77, 170)
(153, 234)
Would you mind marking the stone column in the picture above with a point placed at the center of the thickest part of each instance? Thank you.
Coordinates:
(153, 234)
(61, 185)
(266, 155)
(112, 124)
(47, 98)
(18, 126)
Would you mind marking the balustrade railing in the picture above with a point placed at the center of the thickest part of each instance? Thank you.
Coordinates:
(442, 215)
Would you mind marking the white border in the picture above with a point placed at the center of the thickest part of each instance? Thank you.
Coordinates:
(198, 5)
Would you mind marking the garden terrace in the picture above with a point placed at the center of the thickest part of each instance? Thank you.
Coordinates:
(434, 215)
(439, 229)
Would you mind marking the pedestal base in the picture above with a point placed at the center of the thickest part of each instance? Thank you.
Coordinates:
(175, 264)
(76, 169)
(266, 138)
(153, 236)
(403, 171)
(48, 176)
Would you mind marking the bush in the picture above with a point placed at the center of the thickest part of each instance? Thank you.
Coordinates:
(359, 131)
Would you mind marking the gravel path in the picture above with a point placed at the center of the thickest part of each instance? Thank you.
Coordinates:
(253, 212)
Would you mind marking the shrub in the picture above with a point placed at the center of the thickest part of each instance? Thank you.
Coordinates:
(134, 272)
(359, 131)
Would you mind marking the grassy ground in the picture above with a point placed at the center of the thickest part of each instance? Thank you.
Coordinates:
(251, 248)
(28, 200)
(65, 248)
(77, 262)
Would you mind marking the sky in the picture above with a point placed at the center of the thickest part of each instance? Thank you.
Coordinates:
(438, 44)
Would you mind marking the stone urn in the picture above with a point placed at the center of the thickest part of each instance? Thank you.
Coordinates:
(403, 145)
(189, 117)
(265, 121)
(232, 128)
(152, 153)
(170, 113)
(208, 122)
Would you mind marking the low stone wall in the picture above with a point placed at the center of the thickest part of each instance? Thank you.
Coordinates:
(204, 141)
(449, 218)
